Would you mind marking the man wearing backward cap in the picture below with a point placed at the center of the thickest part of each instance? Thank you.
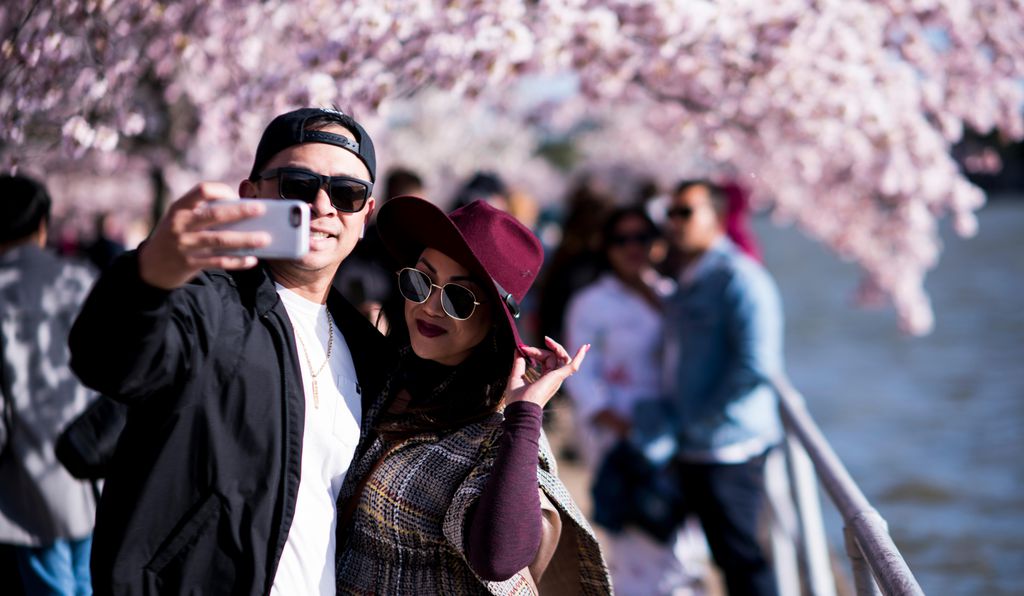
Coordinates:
(245, 378)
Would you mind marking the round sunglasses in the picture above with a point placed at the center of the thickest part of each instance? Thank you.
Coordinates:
(458, 302)
(347, 194)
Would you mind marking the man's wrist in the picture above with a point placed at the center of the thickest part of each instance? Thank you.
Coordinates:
(147, 294)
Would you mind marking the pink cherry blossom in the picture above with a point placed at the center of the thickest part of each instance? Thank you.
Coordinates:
(839, 114)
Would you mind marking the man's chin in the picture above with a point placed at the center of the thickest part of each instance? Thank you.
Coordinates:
(311, 261)
(316, 261)
(318, 257)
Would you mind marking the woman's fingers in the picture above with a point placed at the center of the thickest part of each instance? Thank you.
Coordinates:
(577, 360)
(551, 360)
(532, 352)
(555, 356)
(544, 358)
(570, 367)
(558, 367)
(515, 380)
(557, 348)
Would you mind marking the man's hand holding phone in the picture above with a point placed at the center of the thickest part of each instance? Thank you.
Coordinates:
(185, 240)
(287, 222)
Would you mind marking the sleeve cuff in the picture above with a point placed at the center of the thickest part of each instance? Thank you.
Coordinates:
(138, 291)
(523, 410)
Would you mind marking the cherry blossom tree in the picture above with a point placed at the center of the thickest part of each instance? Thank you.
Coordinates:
(838, 114)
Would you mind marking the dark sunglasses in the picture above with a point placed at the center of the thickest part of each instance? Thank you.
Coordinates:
(680, 212)
(347, 194)
(624, 239)
(458, 302)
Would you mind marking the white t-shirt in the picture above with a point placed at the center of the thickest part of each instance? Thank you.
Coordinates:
(330, 434)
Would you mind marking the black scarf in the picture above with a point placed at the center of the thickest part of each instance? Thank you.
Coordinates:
(444, 398)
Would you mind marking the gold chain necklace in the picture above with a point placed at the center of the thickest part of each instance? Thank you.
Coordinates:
(330, 346)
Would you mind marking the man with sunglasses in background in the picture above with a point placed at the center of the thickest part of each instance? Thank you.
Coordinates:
(723, 335)
(245, 379)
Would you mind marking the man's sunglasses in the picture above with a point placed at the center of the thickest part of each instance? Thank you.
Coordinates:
(347, 194)
(680, 212)
(458, 302)
(644, 239)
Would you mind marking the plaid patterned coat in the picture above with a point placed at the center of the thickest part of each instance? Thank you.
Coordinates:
(406, 534)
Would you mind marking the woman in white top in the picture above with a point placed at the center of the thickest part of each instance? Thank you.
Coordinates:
(619, 315)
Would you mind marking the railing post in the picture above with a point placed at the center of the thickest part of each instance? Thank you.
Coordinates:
(784, 529)
(863, 580)
(813, 543)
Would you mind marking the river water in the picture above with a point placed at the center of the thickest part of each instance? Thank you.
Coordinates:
(931, 428)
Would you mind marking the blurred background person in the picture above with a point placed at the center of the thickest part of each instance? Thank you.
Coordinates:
(401, 181)
(107, 243)
(523, 206)
(723, 346)
(483, 186)
(44, 512)
(620, 316)
(576, 261)
(736, 222)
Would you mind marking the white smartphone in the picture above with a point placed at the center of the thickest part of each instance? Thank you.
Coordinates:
(287, 222)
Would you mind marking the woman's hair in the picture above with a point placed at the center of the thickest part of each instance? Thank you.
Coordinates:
(445, 398)
(613, 220)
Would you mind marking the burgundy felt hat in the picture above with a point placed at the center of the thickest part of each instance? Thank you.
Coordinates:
(489, 242)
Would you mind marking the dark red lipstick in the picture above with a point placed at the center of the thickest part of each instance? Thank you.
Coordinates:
(428, 330)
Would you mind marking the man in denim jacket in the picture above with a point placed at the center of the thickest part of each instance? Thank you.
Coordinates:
(723, 344)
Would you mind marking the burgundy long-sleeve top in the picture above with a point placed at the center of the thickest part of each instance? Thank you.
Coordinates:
(504, 529)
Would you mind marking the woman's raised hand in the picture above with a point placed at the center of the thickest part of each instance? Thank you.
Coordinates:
(555, 367)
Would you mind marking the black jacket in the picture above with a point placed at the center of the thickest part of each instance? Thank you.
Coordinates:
(205, 476)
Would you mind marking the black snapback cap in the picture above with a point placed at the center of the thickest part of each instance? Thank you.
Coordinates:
(290, 129)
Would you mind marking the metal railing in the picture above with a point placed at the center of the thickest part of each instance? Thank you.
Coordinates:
(877, 565)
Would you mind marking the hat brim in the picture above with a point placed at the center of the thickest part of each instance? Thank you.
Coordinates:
(407, 225)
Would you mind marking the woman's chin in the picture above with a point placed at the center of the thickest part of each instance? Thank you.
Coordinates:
(426, 348)
(419, 350)
(429, 349)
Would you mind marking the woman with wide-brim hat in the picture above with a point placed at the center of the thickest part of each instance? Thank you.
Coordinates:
(454, 489)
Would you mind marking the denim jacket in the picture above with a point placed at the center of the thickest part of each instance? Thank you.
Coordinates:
(723, 332)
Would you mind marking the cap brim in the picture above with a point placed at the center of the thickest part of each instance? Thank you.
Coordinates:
(409, 224)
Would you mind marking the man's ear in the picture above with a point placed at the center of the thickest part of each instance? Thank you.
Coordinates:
(247, 189)
(370, 205)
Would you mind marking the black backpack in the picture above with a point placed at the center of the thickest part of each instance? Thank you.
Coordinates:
(86, 445)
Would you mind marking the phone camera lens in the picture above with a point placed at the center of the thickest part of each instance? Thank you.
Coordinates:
(296, 217)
